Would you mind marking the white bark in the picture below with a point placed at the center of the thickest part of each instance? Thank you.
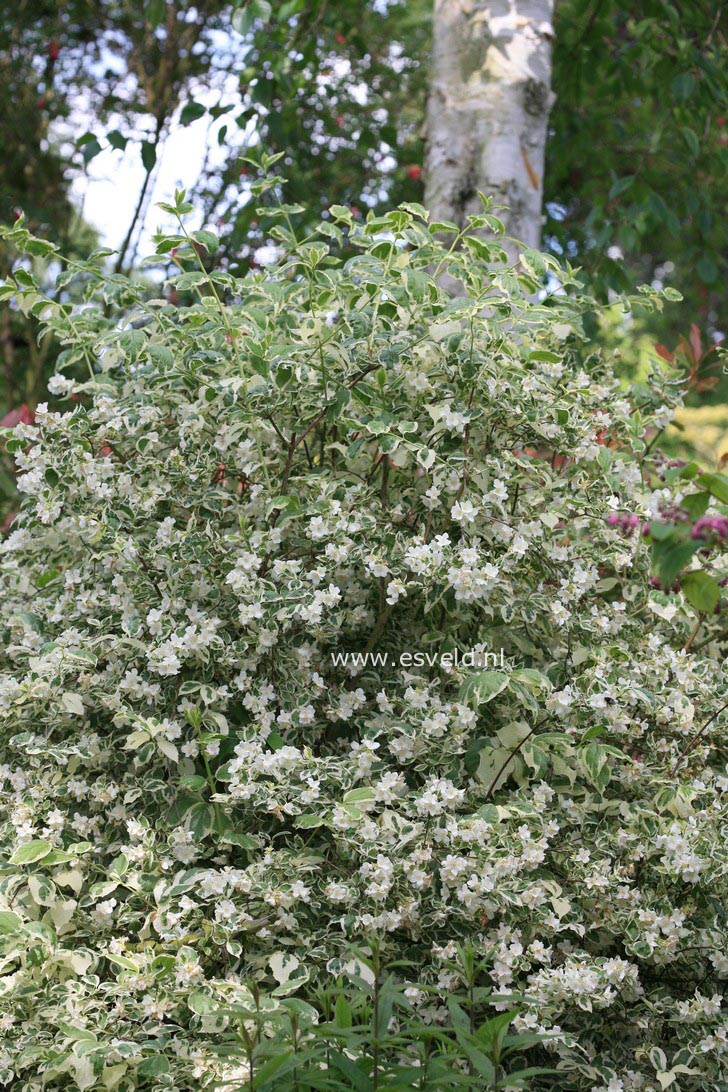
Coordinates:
(487, 114)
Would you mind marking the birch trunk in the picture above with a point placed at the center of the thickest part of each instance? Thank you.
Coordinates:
(488, 108)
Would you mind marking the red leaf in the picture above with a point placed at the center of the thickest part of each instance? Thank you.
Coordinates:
(20, 416)
(664, 352)
(686, 348)
(696, 342)
(7, 523)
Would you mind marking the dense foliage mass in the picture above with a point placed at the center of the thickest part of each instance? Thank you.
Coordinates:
(635, 180)
(230, 859)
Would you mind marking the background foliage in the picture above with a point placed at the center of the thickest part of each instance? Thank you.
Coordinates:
(635, 182)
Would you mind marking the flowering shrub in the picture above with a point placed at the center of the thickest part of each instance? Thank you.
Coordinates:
(226, 862)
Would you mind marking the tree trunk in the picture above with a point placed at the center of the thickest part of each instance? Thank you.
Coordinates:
(490, 96)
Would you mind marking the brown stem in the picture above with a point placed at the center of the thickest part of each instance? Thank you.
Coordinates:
(278, 432)
(692, 743)
(118, 265)
(292, 444)
(379, 628)
(309, 428)
(494, 783)
(385, 479)
(694, 633)
(709, 640)
(506, 762)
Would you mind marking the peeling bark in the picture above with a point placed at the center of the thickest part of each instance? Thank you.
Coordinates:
(488, 108)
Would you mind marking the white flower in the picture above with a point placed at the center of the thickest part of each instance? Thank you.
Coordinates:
(103, 912)
(60, 385)
(268, 254)
(464, 511)
(395, 591)
(498, 493)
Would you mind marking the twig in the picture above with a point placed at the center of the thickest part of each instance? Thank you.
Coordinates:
(292, 444)
(379, 628)
(118, 265)
(507, 761)
(692, 743)
(317, 418)
(278, 432)
(716, 24)
(385, 479)
(694, 633)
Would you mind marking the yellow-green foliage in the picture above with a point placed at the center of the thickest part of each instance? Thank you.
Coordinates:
(705, 432)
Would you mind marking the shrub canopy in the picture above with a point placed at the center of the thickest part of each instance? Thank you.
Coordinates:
(228, 858)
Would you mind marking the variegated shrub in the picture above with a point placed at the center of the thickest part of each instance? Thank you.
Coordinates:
(227, 861)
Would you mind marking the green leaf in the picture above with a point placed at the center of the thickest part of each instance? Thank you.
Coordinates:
(695, 504)
(594, 760)
(359, 796)
(525, 1074)
(717, 484)
(194, 782)
(671, 557)
(661, 531)
(494, 766)
(89, 148)
(417, 284)
(354, 1075)
(339, 404)
(242, 20)
(533, 261)
(132, 342)
(545, 355)
(153, 1067)
(621, 185)
(683, 86)
(9, 922)
(154, 10)
(159, 354)
(191, 111)
(701, 591)
(536, 758)
(31, 852)
(276, 1067)
(42, 891)
(121, 961)
(309, 821)
(201, 820)
(238, 838)
(116, 140)
(480, 1061)
(482, 687)
(207, 239)
(707, 270)
(534, 680)
(342, 1012)
(39, 248)
(187, 281)
(201, 1003)
(149, 155)
(491, 1033)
